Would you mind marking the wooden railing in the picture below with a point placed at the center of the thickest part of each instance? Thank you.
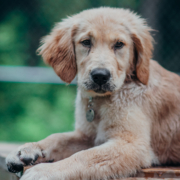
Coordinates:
(27, 74)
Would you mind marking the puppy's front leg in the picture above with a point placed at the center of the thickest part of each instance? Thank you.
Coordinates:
(115, 158)
(53, 148)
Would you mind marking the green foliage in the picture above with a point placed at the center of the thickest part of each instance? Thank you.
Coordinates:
(12, 46)
(30, 112)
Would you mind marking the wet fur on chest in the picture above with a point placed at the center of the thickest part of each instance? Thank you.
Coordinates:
(109, 112)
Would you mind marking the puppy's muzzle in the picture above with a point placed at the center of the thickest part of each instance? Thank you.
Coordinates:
(100, 76)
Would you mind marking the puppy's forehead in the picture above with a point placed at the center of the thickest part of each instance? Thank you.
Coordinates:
(106, 22)
(102, 16)
(102, 28)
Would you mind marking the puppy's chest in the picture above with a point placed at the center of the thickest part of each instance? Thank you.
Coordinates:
(99, 126)
(95, 127)
(105, 118)
(108, 117)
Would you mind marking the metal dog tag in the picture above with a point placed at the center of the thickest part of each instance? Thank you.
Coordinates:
(90, 115)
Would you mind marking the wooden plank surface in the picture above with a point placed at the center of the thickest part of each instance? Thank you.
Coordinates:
(160, 172)
(154, 173)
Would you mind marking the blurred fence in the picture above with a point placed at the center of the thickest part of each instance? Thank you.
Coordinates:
(27, 74)
(163, 16)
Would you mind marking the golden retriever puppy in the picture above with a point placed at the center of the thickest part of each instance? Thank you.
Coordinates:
(127, 105)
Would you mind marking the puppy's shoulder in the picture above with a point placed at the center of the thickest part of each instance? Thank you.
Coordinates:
(163, 90)
(162, 78)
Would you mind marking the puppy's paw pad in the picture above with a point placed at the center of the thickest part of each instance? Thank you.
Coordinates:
(14, 168)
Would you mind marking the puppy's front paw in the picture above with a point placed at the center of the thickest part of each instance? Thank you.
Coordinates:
(42, 171)
(27, 154)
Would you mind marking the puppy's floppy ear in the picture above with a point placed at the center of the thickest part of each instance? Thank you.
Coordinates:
(143, 52)
(57, 50)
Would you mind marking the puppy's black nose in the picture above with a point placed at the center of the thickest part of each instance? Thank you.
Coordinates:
(100, 76)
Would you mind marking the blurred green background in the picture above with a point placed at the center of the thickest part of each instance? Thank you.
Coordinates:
(31, 111)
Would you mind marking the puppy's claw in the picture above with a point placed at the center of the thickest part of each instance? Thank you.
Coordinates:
(36, 157)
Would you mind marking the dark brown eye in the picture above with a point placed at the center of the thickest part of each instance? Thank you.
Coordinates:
(86, 43)
(118, 45)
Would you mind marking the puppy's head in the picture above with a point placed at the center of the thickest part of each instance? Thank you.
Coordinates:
(105, 47)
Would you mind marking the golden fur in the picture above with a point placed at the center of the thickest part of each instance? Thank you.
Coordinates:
(136, 125)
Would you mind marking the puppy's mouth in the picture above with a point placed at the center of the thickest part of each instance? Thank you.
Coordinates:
(100, 89)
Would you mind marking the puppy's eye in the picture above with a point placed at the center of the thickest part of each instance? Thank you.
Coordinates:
(118, 45)
(86, 43)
